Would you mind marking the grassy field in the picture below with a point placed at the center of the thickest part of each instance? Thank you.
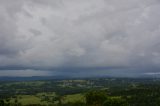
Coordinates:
(37, 99)
(28, 99)
(74, 98)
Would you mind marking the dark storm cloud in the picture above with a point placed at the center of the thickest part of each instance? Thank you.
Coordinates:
(80, 35)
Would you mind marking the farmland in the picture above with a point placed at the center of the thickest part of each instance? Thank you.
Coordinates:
(77, 92)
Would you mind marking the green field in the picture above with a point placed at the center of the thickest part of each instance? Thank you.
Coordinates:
(28, 99)
(120, 91)
(37, 99)
(74, 98)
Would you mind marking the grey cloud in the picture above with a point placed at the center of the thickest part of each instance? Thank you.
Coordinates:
(35, 32)
(80, 33)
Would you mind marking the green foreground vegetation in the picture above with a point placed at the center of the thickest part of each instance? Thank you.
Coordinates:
(81, 92)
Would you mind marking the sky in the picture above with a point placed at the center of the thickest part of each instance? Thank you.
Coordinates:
(79, 37)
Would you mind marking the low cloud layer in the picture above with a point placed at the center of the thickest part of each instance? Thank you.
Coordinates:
(67, 35)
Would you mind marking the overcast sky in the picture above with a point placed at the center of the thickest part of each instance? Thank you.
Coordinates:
(79, 37)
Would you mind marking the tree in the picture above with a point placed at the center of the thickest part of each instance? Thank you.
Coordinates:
(2, 103)
(95, 98)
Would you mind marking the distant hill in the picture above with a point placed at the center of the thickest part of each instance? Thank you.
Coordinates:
(33, 78)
